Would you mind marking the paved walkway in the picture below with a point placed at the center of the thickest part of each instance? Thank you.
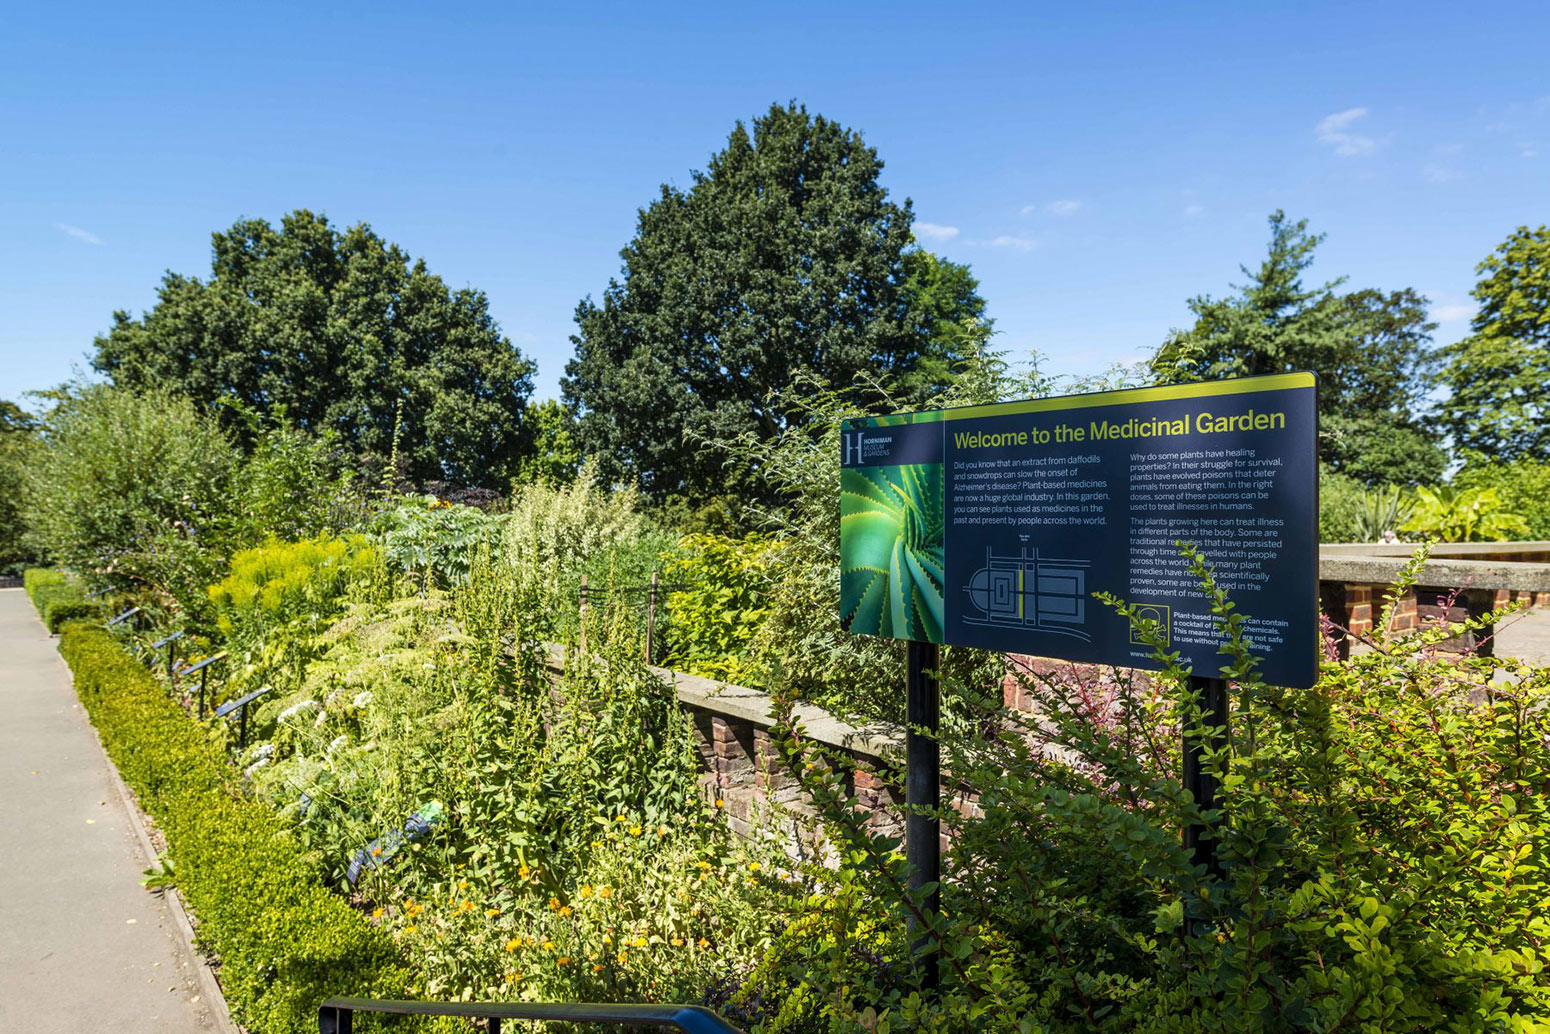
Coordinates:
(1526, 636)
(83, 947)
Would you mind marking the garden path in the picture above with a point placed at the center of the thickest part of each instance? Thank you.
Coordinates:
(1526, 636)
(83, 947)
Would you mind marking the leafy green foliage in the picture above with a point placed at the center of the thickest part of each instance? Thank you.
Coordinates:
(891, 551)
(715, 617)
(1340, 503)
(284, 942)
(1448, 514)
(556, 453)
(1498, 378)
(133, 490)
(1383, 841)
(57, 597)
(1371, 352)
(1523, 486)
(16, 431)
(288, 311)
(434, 541)
(784, 260)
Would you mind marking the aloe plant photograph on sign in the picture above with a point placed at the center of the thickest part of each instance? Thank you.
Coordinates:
(891, 528)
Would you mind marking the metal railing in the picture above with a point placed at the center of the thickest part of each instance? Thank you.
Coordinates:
(336, 1015)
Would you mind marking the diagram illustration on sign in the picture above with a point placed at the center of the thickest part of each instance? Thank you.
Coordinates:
(1030, 591)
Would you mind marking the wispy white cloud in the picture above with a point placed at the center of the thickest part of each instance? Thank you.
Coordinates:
(1015, 243)
(935, 231)
(1453, 313)
(1441, 174)
(1062, 207)
(78, 233)
(1335, 130)
(1194, 211)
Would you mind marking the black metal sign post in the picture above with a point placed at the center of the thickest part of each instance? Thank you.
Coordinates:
(923, 785)
(240, 705)
(1211, 695)
(203, 667)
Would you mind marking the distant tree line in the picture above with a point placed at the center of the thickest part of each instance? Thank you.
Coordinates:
(784, 262)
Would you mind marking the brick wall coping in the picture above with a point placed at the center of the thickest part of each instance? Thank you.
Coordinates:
(875, 741)
(1443, 550)
(1438, 573)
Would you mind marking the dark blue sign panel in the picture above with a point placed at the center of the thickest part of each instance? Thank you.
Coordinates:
(992, 526)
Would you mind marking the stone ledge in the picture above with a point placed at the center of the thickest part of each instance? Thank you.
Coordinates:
(1441, 551)
(1437, 573)
(875, 741)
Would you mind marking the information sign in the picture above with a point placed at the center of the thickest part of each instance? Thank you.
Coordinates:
(992, 526)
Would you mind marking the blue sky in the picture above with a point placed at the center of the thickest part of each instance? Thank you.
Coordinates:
(1096, 165)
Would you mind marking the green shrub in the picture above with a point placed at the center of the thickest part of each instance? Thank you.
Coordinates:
(133, 490)
(433, 540)
(279, 597)
(1340, 504)
(1524, 488)
(721, 607)
(1384, 841)
(284, 942)
(1449, 514)
(57, 598)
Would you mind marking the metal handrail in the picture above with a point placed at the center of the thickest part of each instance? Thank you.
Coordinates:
(336, 1015)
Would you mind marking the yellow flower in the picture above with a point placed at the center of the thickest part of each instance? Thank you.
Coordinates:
(703, 865)
(621, 818)
(564, 910)
(634, 831)
(466, 906)
(598, 968)
(718, 802)
(753, 866)
(492, 912)
(639, 942)
(621, 957)
(512, 978)
(563, 960)
(607, 939)
(605, 892)
(514, 944)
(523, 871)
(678, 942)
(462, 885)
(548, 946)
(376, 851)
(411, 928)
(554, 904)
(704, 943)
(661, 831)
(376, 913)
(586, 890)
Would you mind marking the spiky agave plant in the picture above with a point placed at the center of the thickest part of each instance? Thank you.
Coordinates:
(891, 551)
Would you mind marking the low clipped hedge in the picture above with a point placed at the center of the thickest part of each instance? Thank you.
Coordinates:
(57, 598)
(285, 942)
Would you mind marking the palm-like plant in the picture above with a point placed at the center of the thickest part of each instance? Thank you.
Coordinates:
(891, 567)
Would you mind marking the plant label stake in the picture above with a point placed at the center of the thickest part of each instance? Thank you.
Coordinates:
(651, 615)
(923, 790)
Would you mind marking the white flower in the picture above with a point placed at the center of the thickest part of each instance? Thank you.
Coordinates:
(298, 708)
(336, 742)
(362, 698)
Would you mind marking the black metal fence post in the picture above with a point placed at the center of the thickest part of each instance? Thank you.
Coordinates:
(923, 785)
(1211, 694)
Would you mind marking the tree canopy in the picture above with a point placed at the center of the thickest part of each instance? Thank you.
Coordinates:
(1498, 378)
(785, 260)
(1370, 349)
(339, 331)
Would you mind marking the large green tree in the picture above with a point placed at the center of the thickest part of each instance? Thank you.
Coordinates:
(784, 262)
(1371, 350)
(339, 332)
(1498, 378)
